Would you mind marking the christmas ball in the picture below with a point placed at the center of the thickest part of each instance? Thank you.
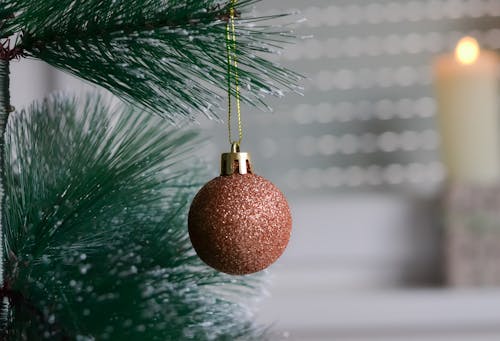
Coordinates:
(239, 223)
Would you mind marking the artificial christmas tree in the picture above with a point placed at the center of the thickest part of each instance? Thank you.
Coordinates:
(93, 197)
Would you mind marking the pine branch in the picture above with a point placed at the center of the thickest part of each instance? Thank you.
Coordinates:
(96, 242)
(166, 55)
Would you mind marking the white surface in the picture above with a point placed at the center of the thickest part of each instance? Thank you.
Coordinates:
(365, 240)
(349, 269)
(386, 315)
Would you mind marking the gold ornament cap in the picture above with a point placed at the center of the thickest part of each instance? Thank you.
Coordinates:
(235, 162)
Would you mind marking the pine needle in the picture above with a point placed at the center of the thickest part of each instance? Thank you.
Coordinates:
(96, 242)
(167, 56)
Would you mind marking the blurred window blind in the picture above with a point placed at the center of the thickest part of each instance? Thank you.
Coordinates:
(367, 117)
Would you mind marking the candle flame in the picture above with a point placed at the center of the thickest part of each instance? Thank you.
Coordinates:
(467, 50)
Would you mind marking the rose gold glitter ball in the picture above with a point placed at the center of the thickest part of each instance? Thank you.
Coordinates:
(239, 224)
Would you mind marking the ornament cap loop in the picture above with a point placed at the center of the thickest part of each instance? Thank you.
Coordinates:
(235, 147)
(235, 162)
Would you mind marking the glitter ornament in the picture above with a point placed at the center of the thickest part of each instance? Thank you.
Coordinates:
(239, 223)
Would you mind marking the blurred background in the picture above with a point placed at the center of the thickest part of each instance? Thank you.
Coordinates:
(359, 157)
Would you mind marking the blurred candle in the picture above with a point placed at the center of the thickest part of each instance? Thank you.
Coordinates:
(468, 108)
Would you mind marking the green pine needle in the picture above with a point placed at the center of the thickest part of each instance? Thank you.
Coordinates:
(96, 238)
(166, 55)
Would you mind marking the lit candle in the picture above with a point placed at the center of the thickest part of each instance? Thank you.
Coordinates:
(468, 108)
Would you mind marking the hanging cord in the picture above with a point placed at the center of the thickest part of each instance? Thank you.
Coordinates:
(233, 74)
